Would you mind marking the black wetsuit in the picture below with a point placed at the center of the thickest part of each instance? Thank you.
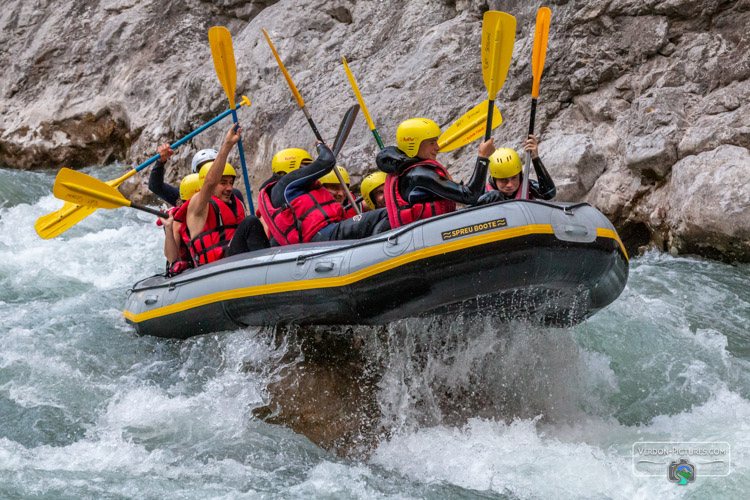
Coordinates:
(422, 184)
(168, 192)
(298, 182)
(543, 189)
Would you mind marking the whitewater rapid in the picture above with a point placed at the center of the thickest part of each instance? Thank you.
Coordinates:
(90, 410)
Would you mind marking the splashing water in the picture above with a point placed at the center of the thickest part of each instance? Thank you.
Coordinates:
(477, 408)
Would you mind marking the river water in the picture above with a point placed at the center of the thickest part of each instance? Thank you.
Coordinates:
(90, 410)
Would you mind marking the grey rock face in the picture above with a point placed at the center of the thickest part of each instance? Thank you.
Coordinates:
(631, 90)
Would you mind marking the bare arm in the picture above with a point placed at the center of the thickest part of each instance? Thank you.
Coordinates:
(198, 208)
(171, 251)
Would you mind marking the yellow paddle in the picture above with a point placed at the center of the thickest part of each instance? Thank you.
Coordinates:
(498, 37)
(295, 92)
(51, 225)
(543, 16)
(222, 53)
(468, 128)
(84, 190)
(361, 102)
(301, 104)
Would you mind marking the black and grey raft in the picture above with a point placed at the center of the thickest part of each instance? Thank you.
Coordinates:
(557, 263)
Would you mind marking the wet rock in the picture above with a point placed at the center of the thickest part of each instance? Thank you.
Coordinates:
(649, 83)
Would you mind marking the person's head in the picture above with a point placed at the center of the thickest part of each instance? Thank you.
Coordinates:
(505, 169)
(332, 184)
(225, 187)
(201, 158)
(373, 190)
(289, 159)
(418, 137)
(189, 185)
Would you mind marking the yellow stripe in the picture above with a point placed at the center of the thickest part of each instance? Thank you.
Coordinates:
(348, 279)
(608, 233)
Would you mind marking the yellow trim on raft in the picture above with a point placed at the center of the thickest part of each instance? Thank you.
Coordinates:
(608, 233)
(348, 279)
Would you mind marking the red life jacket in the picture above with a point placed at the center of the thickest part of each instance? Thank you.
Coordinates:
(184, 261)
(301, 220)
(221, 223)
(491, 187)
(401, 212)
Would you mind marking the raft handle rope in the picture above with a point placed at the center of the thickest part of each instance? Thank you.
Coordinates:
(366, 241)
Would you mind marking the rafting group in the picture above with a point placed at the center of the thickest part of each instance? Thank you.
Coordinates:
(308, 200)
(302, 201)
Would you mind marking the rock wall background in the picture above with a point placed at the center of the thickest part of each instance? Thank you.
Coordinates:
(643, 109)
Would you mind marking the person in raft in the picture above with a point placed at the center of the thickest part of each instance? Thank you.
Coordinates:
(175, 249)
(373, 190)
(506, 177)
(332, 184)
(168, 192)
(296, 208)
(214, 221)
(416, 185)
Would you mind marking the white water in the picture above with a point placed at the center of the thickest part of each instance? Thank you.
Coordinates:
(90, 410)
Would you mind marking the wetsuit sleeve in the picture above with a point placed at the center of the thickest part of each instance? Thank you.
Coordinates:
(423, 184)
(300, 181)
(156, 185)
(546, 185)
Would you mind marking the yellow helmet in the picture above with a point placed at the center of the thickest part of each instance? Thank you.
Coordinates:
(411, 133)
(369, 184)
(330, 177)
(504, 162)
(289, 159)
(189, 185)
(228, 170)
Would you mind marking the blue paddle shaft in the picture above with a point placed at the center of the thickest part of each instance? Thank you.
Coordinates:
(186, 138)
(248, 189)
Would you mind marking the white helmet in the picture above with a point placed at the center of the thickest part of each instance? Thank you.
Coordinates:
(202, 157)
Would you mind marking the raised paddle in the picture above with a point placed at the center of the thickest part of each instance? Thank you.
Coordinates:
(537, 65)
(346, 126)
(51, 225)
(82, 189)
(469, 127)
(301, 104)
(498, 37)
(293, 88)
(361, 102)
(222, 53)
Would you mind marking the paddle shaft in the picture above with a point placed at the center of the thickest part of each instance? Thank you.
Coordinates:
(149, 210)
(186, 138)
(361, 102)
(245, 177)
(527, 166)
(488, 129)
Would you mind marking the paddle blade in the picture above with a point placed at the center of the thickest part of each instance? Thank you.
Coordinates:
(498, 37)
(543, 16)
(222, 53)
(52, 225)
(82, 189)
(288, 78)
(468, 128)
(344, 128)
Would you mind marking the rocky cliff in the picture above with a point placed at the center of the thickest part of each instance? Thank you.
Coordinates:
(643, 109)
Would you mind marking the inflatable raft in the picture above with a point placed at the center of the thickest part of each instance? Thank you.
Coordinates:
(557, 263)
